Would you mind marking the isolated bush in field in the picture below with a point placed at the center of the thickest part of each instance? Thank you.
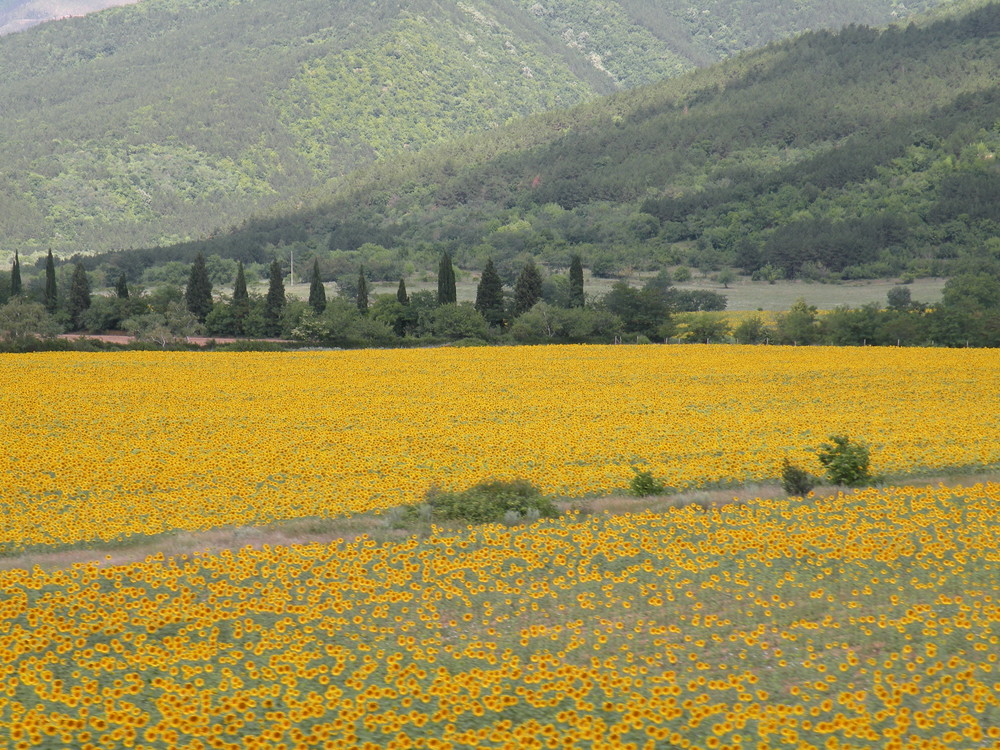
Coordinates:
(846, 461)
(491, 502)
(644, 484)
(795, 480)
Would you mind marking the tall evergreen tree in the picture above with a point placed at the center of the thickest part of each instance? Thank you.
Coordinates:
(274, 303)
(51, 293)
(317, 292)
(198, 295)
(79, 296)
(527, 288)
(121, 287)
(16, 287)
(446, 281)
(362, 292)
(489, 295)
(401, 296)
(241, 298)
(576, 298)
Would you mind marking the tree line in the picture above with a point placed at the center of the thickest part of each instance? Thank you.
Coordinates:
(538, 307)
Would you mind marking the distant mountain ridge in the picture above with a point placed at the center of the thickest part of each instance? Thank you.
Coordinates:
(171, 120)
(857, 154)
(19, 15)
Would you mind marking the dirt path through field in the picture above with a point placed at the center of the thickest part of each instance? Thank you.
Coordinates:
(325, 531)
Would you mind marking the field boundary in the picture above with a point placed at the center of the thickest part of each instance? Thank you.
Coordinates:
(380, 526)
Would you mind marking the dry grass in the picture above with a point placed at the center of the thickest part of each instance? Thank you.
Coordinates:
(381, 527)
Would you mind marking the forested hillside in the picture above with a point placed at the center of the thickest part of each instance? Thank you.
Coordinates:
(847, 155)
(174, 119)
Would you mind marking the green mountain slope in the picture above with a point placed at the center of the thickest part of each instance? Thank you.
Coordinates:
(856, 154)
(173, 119)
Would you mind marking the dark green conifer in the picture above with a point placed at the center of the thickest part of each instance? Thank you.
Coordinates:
(447, 293)
(527, 288)
(401, 296)
(576, 298)
(79, 296)
(241, 298)
(362, 292)
(16, 287)
(317, 292)
(51, 293)
(489, 295)
(121, 287)
(198, 295)
(274, 304)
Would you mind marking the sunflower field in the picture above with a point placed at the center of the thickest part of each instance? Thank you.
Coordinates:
(109, 445)
(864, 619)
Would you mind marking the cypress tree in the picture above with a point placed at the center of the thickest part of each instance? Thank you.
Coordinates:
(274, 304)
(121, 287)
(576, 282)
(527, 289)
(51, 293)
(446, 281)
(198, 294)
(16, 287)
(401, 296)
(241, 299)
(79, 296)
(362, 292)
(489, 295)
(317, 293)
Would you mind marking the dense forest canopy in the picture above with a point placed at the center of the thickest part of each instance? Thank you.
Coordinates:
(171, 120)
(857, 154)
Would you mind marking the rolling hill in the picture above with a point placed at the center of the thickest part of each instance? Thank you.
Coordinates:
(857, 154)
(171, 120)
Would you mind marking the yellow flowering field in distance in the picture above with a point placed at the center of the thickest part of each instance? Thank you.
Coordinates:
(108, 445)
(867, 619)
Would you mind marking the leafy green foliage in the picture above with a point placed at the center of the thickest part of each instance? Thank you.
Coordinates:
(846, 461)
(491, 502)
(795, 480)
(644, 484)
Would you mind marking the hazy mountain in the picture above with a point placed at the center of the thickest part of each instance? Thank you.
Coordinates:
(857, 154)
(18, 15)
(174, 119)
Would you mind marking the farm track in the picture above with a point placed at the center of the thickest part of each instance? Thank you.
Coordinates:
(304, 531)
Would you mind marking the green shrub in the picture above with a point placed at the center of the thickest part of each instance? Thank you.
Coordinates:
(846, 461)
(796, 481)
(644, 484)
(492, 502)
